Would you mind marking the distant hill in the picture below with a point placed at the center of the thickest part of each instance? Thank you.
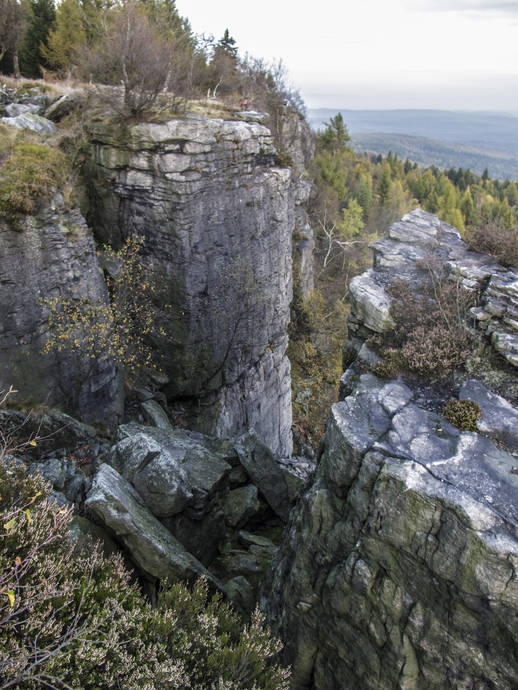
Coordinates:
(475, 140)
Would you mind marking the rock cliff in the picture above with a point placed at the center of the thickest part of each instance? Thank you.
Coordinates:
(398, 567)
(217, 216)
(49, 254)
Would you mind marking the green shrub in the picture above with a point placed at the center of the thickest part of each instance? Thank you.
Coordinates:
(30, 173)
(464, 414)
(72, 618)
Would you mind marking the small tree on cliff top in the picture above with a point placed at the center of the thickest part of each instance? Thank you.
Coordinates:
(137, 54)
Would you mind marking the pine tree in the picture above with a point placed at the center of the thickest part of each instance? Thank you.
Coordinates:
(335, 136)
(228, 44)
(42, 15)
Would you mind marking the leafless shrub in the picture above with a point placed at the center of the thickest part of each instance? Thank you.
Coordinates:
(132, 53)
(496, 240)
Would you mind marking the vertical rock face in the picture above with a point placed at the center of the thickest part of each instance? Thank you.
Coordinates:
(51, 254)
(398, 568)
(217, 217)
(298, 143)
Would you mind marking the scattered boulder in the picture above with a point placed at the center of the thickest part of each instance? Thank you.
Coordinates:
(151, 546)
(15, 109)
(241, 505)
(36, 123)
(155, 414)
(265, 472)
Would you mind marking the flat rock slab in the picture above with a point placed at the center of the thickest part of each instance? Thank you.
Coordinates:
(151, 546)
(499, 418)
(36, 123)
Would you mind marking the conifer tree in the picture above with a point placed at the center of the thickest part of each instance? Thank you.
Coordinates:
(67, 38)
(42, 15)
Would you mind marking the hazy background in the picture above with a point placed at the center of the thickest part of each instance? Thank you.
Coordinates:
(447, 54)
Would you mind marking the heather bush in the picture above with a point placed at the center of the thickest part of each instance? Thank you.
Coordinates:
(430, 337)
(71, 618)
(497, 240)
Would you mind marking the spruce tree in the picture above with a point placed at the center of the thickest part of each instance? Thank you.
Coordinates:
(42, 15)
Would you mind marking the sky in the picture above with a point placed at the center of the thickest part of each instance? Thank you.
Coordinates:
(446, 54)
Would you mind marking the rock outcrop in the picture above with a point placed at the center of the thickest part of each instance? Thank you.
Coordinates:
(398, 567)
(217, 217)
(297, 142)
(421, 241)
(50, 254)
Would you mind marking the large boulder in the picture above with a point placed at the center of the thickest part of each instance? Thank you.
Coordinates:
(265, 472)
(151, 546)
(171, 470)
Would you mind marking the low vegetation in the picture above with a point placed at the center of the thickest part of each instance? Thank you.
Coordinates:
(70, 617)
(496, 240)
(30, 172)
(431, 337)
(464, 414)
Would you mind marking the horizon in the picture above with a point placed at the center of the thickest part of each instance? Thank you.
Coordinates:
(382, 54)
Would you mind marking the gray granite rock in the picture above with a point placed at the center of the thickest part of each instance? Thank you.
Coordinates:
(421, 238)
(265, 472)
(398, 565)
(151, 546)
(217, 216)
(15, 109)
(240, 505)
(171, 471)
(499, 418)
(29, 120)
(155, 414)
(50, 254)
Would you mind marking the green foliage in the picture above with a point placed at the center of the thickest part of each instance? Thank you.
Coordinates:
(42, 15)
(29, 173)
(335, 137)
(72, 618)
(464, 414)
(67, 37)
(119, 330)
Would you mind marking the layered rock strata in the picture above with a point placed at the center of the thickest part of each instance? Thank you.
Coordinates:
(217, 217)
(50, 254)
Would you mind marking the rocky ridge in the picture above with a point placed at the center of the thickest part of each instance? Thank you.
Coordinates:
(398, 567)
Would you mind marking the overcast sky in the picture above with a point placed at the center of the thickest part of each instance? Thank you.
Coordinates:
(452, 54)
